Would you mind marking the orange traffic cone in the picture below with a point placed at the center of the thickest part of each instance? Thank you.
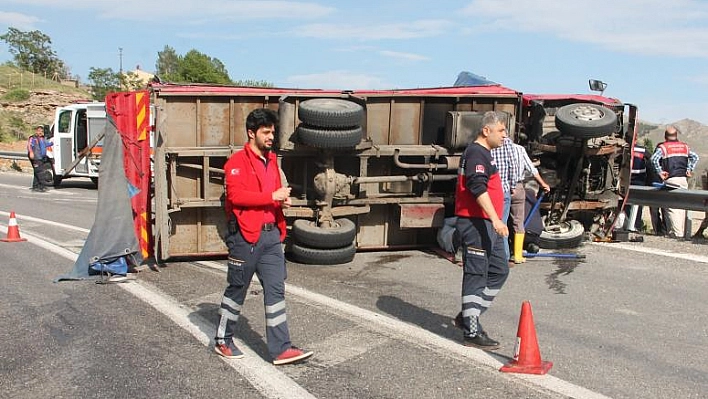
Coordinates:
(13, 230)
(527, 358)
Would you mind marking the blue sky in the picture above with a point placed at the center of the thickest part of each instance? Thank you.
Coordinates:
(652, 53)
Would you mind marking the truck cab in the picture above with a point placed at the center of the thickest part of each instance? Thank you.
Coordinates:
(76, 133)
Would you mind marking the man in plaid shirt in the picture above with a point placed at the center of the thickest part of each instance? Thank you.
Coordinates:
(508, 163)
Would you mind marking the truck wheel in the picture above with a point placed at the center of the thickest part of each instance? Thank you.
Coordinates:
(568, 234)
(329, 139)
(330, 113)
(586, 121)
(307, 233)
(47, 174)
(313, 256)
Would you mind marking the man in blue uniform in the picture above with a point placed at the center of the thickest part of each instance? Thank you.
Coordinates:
(479, 202)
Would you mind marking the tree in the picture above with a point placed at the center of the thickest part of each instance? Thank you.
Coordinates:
(32, 51)
(103, 81)
(196, 67)
(131, 81)
(253, 83)
(167, 64)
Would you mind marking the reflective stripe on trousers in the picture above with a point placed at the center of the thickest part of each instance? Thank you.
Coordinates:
(266, 260)
(484, 271)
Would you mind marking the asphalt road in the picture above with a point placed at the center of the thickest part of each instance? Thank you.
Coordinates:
(628, 321)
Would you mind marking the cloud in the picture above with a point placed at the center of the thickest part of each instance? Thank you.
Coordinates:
(647, 27)
(191, 10)
(338, 79)
(22, 22)
(404, 56)
(408, 30)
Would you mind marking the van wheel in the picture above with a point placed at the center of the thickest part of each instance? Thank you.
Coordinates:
(585, 120)
(314, 256)
(568, 234)
(329, 139)
(330, 113)
(306, 232)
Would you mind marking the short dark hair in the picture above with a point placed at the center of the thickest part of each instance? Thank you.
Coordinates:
(260, 117)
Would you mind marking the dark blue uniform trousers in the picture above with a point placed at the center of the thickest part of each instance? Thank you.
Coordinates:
(485, 269)
(264, 258)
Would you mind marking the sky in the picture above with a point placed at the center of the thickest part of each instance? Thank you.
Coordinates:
(652, 53)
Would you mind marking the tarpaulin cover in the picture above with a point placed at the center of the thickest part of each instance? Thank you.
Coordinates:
(112, 234)
(470, 79)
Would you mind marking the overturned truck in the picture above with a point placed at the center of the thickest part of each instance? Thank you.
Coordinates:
(368, 169)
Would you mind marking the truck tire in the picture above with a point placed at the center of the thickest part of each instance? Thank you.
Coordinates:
(314, 256)
(585, 120)
(47, 174)
(570, 235)
(307, 233)
(330, 113)
(328, 138)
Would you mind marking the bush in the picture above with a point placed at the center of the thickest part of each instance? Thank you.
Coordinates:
(17, 95)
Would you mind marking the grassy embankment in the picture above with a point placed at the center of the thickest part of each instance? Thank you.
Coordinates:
(17, 87)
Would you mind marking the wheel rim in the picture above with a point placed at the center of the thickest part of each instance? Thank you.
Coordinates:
(587, 113)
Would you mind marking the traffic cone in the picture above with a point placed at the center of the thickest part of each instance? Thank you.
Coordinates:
(527, 357)
(13, 230)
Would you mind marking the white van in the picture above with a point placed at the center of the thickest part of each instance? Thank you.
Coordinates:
(77, 137)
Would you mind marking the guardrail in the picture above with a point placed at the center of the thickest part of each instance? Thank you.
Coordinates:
(680, 198)
(13, 155)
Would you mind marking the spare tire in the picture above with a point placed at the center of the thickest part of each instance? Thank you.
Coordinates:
(330, 113)
(307, 232)
(314, 256)
(585, 120)
(329, 139)
(569, 234)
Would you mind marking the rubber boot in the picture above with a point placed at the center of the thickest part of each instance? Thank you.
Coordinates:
(519, 248)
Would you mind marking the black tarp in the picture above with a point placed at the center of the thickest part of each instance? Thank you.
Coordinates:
(112, 234)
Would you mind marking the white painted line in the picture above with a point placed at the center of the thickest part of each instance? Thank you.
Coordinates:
(49, 222)
(654, 251)
(264, 376)
(420, 337)
(51, 190)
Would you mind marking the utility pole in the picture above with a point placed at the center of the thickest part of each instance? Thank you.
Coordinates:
(120, 70)
(120, 56)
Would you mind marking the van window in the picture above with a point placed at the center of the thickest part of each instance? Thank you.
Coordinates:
(64, 122)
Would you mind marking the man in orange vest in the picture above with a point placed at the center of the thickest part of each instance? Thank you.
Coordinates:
(674, 161)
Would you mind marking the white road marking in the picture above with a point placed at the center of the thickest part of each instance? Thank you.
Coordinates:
(264, 376)
(49, 222)
(273, 383)
(420, 337)
(654, 251)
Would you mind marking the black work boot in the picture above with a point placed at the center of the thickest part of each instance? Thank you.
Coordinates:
(481, 341)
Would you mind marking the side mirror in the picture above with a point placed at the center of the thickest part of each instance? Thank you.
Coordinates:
(597, 85)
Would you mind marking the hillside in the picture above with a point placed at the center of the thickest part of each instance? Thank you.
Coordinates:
(695, 134)
(27, 99)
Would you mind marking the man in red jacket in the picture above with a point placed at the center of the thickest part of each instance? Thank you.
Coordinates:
(255, 197)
